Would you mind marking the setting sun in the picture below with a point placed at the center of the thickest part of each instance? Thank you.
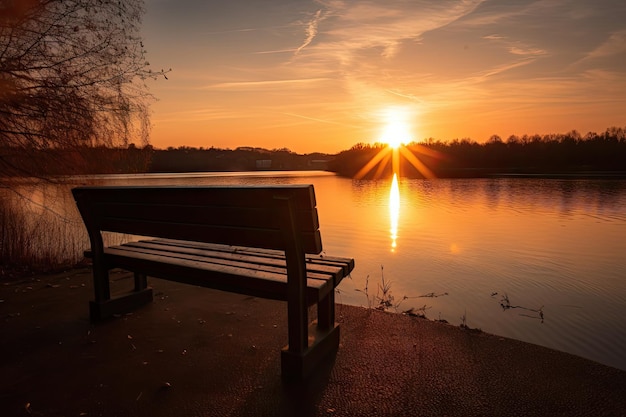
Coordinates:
(397, 131)
(397, 135)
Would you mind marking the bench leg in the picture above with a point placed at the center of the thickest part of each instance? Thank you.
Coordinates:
(104, 306)
(119, 305)
(141, 281)
(323, 343)
(102, 291)
(326, 312)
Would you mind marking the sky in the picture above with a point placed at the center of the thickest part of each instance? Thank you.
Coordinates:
(324, 75)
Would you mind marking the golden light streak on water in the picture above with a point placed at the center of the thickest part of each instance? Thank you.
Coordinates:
(394, 211)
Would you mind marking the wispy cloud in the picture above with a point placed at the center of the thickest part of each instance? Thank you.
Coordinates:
(490, 72)
(494, 37)
(364, 41)
(526, 51)
(410, 97)
(276, 51)
(311, 31)
(354, 26)
(515, 47)
(615, 44)
(199, 115)
(222, 32)
(263, 83)
(315, 119)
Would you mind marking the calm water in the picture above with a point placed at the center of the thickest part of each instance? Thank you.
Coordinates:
(552, 247)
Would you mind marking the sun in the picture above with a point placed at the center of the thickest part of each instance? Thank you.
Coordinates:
(401, 150)
(397, 130)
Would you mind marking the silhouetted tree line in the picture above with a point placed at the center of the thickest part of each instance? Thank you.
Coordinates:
(76, 161)
(117, 160)
(551, 154)
(186, 159)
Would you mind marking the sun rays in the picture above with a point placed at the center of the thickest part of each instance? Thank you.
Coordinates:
(396, 135)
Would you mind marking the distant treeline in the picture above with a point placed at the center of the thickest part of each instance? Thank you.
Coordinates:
(26, 162)
(553, 154)
(186, 159)
(105, 160)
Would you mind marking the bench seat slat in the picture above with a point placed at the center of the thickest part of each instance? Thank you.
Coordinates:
(221, 258)
(347, 264)
(223, 277)
(248, 257)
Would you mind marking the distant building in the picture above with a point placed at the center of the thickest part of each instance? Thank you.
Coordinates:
(321, 164)
(263, 163)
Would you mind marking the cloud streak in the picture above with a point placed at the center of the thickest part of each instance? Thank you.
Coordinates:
(369, 24)
(315, 119)
(311, 31)
(615, 44)
(263, 83)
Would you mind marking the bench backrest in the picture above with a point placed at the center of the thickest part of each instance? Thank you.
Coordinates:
(257, 216)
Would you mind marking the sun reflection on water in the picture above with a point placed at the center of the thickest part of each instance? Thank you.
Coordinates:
(394, 211)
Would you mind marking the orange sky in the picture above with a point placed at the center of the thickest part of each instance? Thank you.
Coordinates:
(321, 75)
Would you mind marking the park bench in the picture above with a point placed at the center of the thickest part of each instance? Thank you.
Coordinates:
(262, 241)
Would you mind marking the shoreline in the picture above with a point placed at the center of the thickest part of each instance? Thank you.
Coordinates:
(206, 352)
(32, 277)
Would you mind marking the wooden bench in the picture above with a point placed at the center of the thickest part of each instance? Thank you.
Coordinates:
(259, 241)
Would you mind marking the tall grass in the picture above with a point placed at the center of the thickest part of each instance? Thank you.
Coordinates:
(41, 229)
(35, 238)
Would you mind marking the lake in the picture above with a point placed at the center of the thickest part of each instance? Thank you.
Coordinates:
(538, 260)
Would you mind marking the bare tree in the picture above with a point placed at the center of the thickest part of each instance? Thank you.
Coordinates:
(72, 75)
